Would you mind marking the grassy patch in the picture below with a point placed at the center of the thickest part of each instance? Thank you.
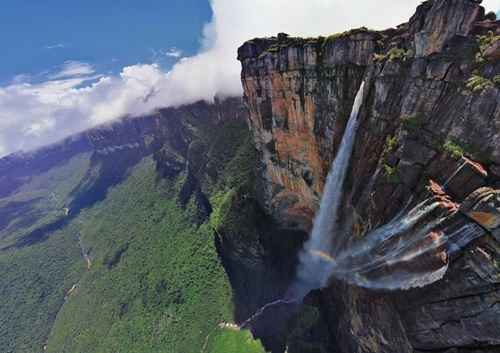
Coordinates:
(232, 341)
(333, 37)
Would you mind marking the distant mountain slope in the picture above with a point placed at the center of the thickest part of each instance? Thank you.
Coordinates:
(107, 239)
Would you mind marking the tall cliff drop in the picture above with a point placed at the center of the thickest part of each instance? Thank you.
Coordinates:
(314, 267)
(411, 251)
(431, 112)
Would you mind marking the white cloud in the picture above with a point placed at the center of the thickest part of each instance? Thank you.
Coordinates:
(174, 53)
(21, 78)
(491, 5)
(73, 69)
(32, 115)
(55, 46)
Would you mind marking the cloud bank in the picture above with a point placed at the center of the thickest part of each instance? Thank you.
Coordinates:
(76, 98)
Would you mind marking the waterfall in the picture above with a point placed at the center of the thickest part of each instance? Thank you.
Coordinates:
(412, 250)
(321, 240)
(313, 271)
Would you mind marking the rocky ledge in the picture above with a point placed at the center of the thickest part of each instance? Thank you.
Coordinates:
(431, 111)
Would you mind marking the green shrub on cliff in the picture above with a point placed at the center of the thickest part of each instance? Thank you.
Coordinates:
(333, 37)
(457, 149)
(221, 203)
(453, 149)
(484, 42)
(391, 174)
(395, 54)
(478, 83)
(391, 144)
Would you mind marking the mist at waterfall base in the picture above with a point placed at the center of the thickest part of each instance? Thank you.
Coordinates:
(412, 250)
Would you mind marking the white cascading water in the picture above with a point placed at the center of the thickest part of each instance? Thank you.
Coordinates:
(389, 262)
(312, 273)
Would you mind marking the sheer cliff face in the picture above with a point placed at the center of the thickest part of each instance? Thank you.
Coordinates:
(300, 94)
(432, 98)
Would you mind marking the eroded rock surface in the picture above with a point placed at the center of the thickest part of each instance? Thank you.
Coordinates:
(432, 98)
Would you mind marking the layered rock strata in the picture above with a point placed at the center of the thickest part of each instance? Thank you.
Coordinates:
(432, 97)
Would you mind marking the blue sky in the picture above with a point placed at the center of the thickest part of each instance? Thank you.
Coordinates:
(40, 35)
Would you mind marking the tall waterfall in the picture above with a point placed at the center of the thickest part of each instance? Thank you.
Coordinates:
(412, 250)
(312, 272)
